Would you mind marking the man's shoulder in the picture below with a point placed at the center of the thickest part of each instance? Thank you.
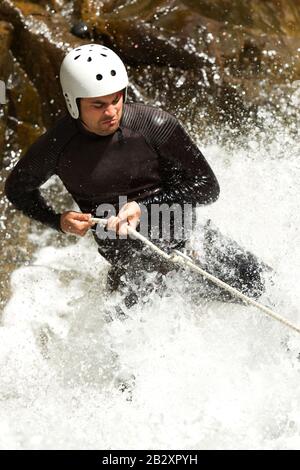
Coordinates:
(63, 126)
(55, 138)
(143, 111)
(154, 123)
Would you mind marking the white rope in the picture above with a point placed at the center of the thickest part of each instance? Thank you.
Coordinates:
(235, 292)
(180, 258)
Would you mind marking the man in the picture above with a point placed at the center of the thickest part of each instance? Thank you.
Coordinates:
(106, 149)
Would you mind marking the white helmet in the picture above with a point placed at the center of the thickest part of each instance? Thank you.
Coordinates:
(88, 71)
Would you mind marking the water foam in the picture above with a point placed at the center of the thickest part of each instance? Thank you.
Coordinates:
(172, 374)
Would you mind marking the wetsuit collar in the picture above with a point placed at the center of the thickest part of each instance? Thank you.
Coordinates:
(84, 131)
(92, 135)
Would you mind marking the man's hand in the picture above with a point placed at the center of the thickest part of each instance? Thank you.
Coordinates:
(129, 215)
(75, 223)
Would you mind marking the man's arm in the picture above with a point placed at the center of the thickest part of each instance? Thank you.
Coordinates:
(34, 168)
(187, 177)
(31, 171)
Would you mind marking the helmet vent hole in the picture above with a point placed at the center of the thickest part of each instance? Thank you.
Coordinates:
(113, 73)
(77, 57)
(89, 59)
(99, 76)
(104, 55)
(78, 49)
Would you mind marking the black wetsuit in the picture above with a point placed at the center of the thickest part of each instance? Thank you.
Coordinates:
(149, 159)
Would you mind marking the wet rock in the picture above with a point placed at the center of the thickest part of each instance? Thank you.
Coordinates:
(6, 35)
(24, 100)
(55, 5)
(22, 112)
(83, 8)
(2, 132)
(41, 40)
(231, 44)
(268, 16)
(135, 31)
(80, 30)
(223, 47)
(255, 39)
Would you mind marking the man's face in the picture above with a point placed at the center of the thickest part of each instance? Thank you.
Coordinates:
(102, 115)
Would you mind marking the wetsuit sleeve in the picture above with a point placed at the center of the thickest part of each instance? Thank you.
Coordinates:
(31, 171)
(186, 175)
(35, 168)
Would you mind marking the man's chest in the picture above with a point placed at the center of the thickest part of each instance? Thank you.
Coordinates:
(113, 163)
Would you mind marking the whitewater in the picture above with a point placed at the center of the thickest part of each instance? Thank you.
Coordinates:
(171, 374)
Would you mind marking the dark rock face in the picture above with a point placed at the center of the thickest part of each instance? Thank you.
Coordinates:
(186, 53)
(235, 51)
(41, 39)
(189, 33)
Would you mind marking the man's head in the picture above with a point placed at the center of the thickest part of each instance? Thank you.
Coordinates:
(90, 72)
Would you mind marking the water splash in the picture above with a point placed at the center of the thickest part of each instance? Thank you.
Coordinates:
(171, 374)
